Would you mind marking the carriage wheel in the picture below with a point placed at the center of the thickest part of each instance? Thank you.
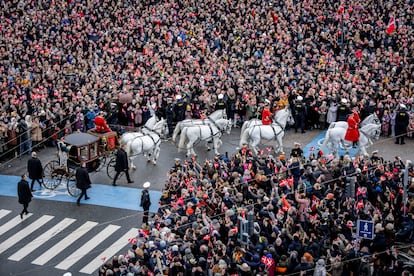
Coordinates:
(102, 163)
(71, 185)
(110, 168)
(52, 175)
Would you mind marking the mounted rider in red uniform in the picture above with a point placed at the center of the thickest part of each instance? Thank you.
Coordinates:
(266, 114)
(352, 133)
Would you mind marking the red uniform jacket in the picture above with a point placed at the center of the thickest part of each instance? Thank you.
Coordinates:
(266, 116)
(352, 133)
(100, 125)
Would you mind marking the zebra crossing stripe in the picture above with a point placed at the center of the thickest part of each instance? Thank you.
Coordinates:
(4, 213)
(65, 242)
(109, 252)
(12, 223)
(87, 247)
(24, 233)
(30, 247)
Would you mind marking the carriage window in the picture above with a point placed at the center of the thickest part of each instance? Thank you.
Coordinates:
(83, 153)
(93, 150)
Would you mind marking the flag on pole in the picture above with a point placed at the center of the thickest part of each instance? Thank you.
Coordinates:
(391, 27)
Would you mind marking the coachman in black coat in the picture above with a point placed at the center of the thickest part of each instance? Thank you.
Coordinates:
(121, 164)
(83, 182)
(24, 194)
(35, 170)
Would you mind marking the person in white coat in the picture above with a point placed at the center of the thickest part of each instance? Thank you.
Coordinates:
(332, 111)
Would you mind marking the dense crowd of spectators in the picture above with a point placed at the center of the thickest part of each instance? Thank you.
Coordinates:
(300, 216)
(65, 61)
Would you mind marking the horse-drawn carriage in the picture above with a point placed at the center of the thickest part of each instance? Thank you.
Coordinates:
(72, 150)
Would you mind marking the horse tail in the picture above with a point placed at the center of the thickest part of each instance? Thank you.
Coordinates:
(327, 137)
(243, 128)
(183, 138)
(244, 136)
(177, 130)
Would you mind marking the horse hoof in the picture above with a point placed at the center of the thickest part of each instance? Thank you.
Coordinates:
(208, 149)
(154, 163)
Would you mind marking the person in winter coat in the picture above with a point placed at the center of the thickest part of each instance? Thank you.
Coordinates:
(303, 206)
(24, 194)
(35, 170)
(300, 114)
(352, 133)
(121, 165)
(83, 182)
(36, 132)
(145, 202)
(332, 113)
(401, 123)
(320, 269)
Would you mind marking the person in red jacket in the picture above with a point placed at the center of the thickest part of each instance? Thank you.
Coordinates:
(266, 114)
(352, 133)
(101, 125)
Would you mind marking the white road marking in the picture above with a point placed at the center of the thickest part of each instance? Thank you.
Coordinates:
(4, 213)
(87, 247)
(109, 252)
(12, 223)
(46, 236)
(16, 238)
(64, 243)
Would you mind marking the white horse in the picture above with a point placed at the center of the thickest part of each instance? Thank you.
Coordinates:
(206, 132)
(146, 142)
(371, 119)
(254, 122)
(218, 114)
(276, 130)
(336, 136)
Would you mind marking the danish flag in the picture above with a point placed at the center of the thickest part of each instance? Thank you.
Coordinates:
(391, 27)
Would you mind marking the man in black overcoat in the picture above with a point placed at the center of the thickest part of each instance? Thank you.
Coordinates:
(35, 170)
(24, 194)
(83, 182)
(121, 164)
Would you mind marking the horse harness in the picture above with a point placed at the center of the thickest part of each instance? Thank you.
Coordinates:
(218, 133)
(276, 134)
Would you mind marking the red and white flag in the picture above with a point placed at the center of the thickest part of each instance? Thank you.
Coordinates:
(391, 27)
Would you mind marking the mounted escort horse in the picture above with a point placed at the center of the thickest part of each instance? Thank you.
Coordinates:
(336, 136)
(275, 131)
(208, 132)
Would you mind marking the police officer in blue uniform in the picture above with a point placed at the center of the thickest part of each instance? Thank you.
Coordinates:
(169, 116)
(401, 124)
(220, 104)
(343, 111)
(179, 108)
(300, 114)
